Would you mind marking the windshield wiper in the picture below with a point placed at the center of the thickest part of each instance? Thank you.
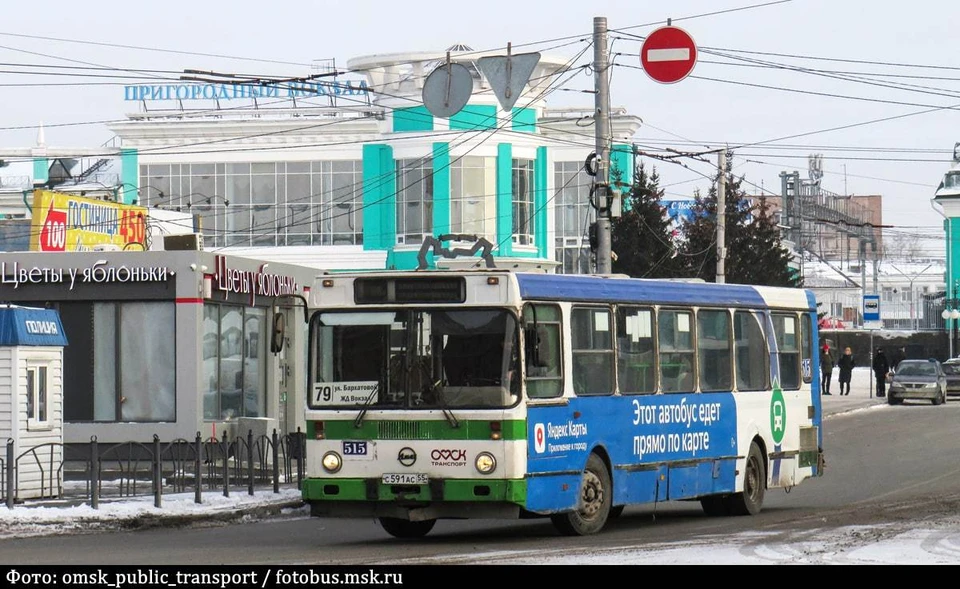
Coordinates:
(366, 405)
(437, 394)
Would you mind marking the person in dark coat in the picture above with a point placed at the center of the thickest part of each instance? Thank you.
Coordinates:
(826, 368)
(845, 365)
(898, 356)
(880, 369)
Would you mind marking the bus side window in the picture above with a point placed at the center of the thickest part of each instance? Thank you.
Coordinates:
(675, 335)
(714, 350)
(806, 346)
(592, 345)
(786, 329)
(541, 349)
(636, 351)
(752, 354)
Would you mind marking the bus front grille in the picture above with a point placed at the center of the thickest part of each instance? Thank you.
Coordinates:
(403, 430)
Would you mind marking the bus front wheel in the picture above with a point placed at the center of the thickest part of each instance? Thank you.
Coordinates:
(750, 500)
(402, 528)
(593, 505)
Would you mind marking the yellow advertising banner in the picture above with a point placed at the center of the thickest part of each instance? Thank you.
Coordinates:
(68, 223)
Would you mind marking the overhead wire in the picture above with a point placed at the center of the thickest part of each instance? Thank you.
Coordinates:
(486, 133)
(732, 10)
(479, 131)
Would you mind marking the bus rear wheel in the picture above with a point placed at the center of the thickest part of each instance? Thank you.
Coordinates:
(750, 500)
(594, 502)
(402, 528)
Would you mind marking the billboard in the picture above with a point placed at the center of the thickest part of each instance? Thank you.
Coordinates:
(68, 223)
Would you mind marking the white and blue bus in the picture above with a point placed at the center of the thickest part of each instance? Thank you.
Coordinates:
(498, 394)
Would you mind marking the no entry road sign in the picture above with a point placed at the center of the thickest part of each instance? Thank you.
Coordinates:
(668, 55)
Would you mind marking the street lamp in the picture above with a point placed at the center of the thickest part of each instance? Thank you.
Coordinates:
(948, 314)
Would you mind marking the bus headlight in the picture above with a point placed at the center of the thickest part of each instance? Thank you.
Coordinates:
(332, 462)
(485, 463)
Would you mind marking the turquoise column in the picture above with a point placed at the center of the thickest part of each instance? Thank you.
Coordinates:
(524, 119)
(414, 118)
(129, 175)
(474, 117)
(441, 188)
(41, 170)
(952, 226)
(379, 198)
(540, 201)
(621, 163)
(504, 245)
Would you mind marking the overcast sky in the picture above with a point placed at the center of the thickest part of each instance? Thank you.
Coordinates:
(775, 110)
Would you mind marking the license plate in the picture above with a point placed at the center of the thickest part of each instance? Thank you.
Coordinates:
(407, 478)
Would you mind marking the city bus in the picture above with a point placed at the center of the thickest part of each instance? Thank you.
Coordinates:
(497, 394)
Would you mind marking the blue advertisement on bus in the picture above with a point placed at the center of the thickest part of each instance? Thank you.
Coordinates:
(691, 433)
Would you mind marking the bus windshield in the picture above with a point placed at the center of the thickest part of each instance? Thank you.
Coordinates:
(414, 358)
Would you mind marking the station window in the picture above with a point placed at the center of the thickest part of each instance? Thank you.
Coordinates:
(523, 204)
(473, 190)
(414, 200)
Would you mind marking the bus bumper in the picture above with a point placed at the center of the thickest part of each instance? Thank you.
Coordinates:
(440, 498)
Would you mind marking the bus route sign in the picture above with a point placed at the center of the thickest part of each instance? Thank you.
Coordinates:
(871, 312)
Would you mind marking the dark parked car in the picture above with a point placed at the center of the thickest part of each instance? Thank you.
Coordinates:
(952, 369)
(918, 379)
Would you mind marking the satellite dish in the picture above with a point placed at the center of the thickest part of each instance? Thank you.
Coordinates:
(447, 89)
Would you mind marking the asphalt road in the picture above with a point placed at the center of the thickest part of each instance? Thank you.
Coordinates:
(884, 464)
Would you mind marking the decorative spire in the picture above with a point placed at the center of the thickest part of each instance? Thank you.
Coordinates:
(41, 140)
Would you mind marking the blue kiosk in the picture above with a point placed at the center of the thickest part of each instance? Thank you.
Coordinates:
(31, 397)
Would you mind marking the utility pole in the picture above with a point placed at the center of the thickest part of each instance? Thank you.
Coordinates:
(722, 216)
(601, 123)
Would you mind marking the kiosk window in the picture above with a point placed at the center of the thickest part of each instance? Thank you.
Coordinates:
(38, 386)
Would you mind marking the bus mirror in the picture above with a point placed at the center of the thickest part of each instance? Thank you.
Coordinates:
(278, 333)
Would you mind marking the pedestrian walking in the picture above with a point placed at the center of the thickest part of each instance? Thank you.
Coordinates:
(845, 366)
(880, 369)
(826, 368)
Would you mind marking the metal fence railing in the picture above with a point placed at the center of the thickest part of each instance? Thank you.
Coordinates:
(91, 471)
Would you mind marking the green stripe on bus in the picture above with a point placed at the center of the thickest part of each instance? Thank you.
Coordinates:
(485, 490)
(474, 429)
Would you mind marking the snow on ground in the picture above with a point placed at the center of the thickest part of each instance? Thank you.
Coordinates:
(926, 542)
(53, 517)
